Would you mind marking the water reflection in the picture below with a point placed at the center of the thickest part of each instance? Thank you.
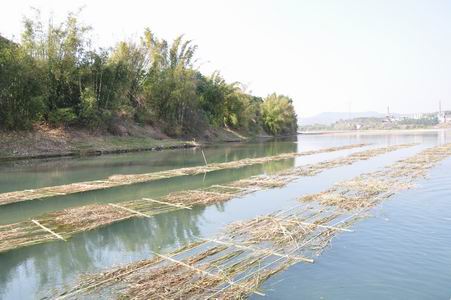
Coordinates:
(24, 210)
(387, 138)
(34, 271)
(401, 252)
(39, 173)
(87, 252)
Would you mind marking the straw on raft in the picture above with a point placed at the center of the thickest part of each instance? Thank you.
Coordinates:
(247, 253)
(229, 267)
(225, 266)
(71, 221)
(196, 277)
(283, 232)
(121, 180)
(369, 189)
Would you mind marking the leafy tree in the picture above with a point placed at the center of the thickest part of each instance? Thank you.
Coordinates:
(278, 115)
(212, 92)
(171, 84)
(57, 50)
(132, 62)
(21, 103)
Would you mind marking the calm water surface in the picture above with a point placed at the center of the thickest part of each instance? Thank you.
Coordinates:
(403, 251)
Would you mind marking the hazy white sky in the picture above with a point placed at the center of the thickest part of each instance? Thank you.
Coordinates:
(327, 55)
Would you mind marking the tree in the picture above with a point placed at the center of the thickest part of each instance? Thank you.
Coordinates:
(20, 90)
(54, 75)
(171, 84)
(58, 51)
(278, 115)
(132, 62)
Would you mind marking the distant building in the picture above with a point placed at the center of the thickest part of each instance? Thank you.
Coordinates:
(444, 117)
(417, 116)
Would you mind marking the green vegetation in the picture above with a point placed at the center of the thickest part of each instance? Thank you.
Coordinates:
(54, 76)
(278, 114)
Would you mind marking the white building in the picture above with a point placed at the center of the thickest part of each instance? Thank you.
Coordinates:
(444, 117)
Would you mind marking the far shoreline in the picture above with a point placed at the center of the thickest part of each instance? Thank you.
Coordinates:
(372, 131)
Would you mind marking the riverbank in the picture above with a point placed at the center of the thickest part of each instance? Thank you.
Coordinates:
(47, 142)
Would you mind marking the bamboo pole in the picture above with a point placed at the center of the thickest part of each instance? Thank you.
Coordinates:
(235, 187)
(322, 226)
(167, 203)
(205, 159)
(48, 230)
(129, 210)
(301, 258)
(293, 251)
(100, 283)
(202, 271)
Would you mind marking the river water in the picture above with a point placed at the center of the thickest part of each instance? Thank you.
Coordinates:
(402, 251)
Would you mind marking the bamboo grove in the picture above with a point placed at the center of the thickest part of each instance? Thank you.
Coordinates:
(55, 75)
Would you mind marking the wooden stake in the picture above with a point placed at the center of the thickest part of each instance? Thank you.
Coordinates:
(203, 154)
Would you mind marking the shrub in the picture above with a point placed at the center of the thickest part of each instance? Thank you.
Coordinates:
(62, 116)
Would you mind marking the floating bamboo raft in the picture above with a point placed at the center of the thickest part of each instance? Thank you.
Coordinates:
(62, 225)
(121, 180)
(233, 265)
(367, 190)
(229, 267)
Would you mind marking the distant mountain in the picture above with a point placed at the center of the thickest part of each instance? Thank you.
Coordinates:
(332, 117)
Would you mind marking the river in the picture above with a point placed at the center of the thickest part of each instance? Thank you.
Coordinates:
(401, 251)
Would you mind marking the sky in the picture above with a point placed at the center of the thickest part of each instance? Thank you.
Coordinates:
(329, 55)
